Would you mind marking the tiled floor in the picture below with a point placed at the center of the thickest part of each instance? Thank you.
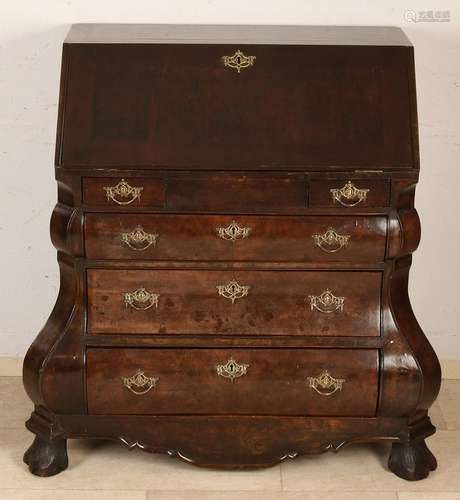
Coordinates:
(106, 471)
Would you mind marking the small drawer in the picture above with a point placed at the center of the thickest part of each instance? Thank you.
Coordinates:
(126, 193)
(233, 381)
(349, 193)
(239, 238)
(234, 302)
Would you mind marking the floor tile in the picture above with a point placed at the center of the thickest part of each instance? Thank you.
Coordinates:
(363, 468)
(98, 468)
(15, 406)
(429, 495)
(70, 495)
(449, 402)
(110, 466)
(266, 495)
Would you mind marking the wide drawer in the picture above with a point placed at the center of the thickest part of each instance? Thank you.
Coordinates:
(233, 381)
(241, 238)
(234, 302)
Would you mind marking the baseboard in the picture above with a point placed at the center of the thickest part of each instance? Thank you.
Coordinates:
(12, 367)
(450, 369)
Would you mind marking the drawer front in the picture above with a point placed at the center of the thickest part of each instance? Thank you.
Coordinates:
(349, 194)
(234, 302)
(233, 381)
(241, 238)
(126, 193)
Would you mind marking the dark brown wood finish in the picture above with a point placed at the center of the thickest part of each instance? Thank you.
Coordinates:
(186, 145)
(276, 382)
(245, 192)
(203, 192)
(228, 192)
(262, 440)
(411, 461)
(277, 303)
(47, 457)
(195, 238)
(350, 91)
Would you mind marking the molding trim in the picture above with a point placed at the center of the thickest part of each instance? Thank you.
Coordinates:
(12, 367)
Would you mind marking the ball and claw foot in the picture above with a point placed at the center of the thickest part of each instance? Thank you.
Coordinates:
(47, 458)
(411, 461)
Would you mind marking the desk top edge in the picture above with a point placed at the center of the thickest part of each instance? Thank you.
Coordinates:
(109, 33)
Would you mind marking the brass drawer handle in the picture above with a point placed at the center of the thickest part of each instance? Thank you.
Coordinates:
(233, 290)
(138, 239)
(331, 241)
(325, 384)
(139, 384)
(141, 299)
(238, 61)
(233, 232)
(326, 303)
(349, 195)
(231, 370)
(123, 193)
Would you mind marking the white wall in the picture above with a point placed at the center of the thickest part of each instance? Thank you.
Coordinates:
(31, 33)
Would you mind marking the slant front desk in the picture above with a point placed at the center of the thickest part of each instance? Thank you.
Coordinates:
(234, 227)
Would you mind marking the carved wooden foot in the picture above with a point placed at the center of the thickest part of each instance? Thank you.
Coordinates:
(47, 458)
(411, 461)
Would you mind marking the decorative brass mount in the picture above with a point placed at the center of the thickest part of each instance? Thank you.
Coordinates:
(326, 303)
(331, 241)
(138, 239)
(139, 383)
(349, 195)
(325, 384)
(141, 299)
(238, 61)
(233, 290)
(231, 370)
(233, 232)
(124, 191)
